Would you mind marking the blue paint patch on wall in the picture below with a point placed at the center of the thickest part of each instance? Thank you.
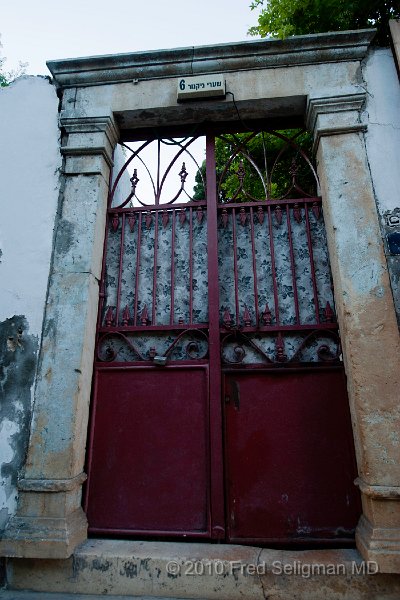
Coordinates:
(393, 240)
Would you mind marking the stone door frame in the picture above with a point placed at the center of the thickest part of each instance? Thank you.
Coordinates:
(313, 79)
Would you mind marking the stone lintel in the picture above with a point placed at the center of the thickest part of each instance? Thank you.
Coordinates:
(335, 115)
(278, 111)
(221, 58)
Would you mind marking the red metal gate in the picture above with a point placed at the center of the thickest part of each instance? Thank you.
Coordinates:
(219, 400)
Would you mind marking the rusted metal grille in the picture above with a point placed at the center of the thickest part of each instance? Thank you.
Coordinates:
(275, 289)
(271, 267)
(152, 296)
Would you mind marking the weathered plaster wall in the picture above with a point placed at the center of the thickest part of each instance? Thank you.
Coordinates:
(30, 162)
(382, 113)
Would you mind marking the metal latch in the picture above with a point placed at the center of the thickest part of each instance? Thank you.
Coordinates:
(161, 361)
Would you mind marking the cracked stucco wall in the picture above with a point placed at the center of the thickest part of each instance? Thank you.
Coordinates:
(30, 164)
(382, 114)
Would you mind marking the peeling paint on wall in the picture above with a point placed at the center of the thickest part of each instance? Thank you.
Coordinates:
(383, 143)
(18, 356)
(29, 186)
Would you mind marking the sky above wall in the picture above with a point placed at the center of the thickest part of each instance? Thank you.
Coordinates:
(34, 32)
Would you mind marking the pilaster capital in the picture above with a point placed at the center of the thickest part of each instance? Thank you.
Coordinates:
(89, 135)
(76, 122)
(335, 115)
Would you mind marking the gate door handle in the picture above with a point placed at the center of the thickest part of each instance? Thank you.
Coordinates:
(235, 394)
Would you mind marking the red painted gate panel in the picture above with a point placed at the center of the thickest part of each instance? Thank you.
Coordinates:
(228, 286)
(289, 461)
(150, 465)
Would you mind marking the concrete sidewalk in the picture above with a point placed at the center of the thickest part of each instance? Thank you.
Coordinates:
(28, 595)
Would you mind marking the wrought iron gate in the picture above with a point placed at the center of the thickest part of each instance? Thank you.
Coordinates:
(219, 397)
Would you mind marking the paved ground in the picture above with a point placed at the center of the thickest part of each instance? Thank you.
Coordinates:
(10, 595)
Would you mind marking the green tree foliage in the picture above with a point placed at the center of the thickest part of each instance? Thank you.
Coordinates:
(282, 18)
(8, 77)
(266, 162)
(3, 78)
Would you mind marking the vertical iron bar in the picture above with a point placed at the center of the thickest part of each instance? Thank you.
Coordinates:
(217, 513)
(253, 250)
(273, 267)
(111, 183)
(103, 274)
(293, 266)
(235, 268)
(139, 241)
(121, 256)
(153, 320)
(172, 310)
(158, 172)
(310, 250)
(191, 265)
(103, 267)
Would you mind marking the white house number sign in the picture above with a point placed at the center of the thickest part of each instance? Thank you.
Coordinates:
(202, 86)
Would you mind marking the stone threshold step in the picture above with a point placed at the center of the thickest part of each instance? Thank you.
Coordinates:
(129, 570)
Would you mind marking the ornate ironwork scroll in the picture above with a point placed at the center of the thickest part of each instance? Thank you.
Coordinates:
(275, 291)
(156, 347)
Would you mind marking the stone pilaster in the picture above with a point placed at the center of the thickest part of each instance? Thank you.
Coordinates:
(50, 522)
(394, 26)
(367, 320)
